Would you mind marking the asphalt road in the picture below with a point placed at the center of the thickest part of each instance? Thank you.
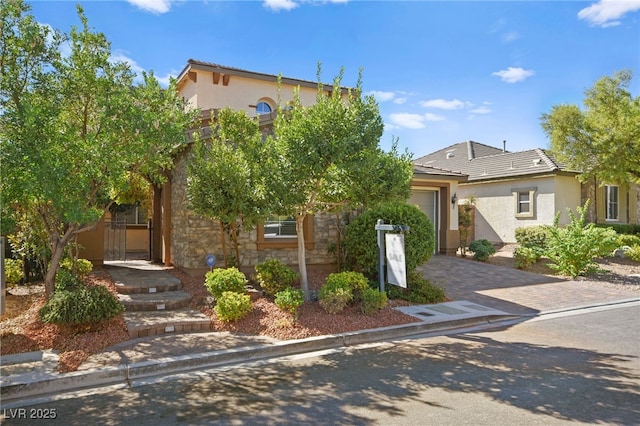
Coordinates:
(565, 369)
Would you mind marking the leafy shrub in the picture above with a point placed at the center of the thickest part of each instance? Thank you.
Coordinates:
(621, 228)
(334, 300)
(290, 300)
(232, 306)
(221, 280)
(628, 240)
(274, 276)
(419, 290)
(361, 241)
(633, 253)
(372, 300)
(83, 266)
(525, 257)
(532, 236)
(572, 249)
(482, 250)
(354, 282)
(67, 281)
(83, 305)
(14, 271)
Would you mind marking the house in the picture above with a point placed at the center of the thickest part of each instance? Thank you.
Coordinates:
(526, 188)
(179, 237)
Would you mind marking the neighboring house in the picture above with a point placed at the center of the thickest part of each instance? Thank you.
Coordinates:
(526, 188)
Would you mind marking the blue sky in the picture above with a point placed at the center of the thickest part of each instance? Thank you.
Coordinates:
(442, 72)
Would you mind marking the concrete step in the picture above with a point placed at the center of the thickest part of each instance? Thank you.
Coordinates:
(143, 324)
(164, 301)
(132, 281)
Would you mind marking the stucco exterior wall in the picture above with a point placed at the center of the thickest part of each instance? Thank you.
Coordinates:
(193, 237)
(240, 93)
(495, 214)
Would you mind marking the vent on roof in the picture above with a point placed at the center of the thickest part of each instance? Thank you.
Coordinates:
(536, 162)
(450, 155)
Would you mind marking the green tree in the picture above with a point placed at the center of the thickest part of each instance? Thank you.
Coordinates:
(329, 159)
(228, 173)
(603, 139)
(74, 128)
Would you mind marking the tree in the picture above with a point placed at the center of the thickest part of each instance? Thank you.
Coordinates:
(603, 139)
(329, 159)
(75, 128)
(228, 175)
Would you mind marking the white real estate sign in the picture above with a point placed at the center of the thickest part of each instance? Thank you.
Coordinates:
(396, 264)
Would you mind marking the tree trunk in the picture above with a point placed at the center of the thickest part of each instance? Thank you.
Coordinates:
(302, 261)
(57, 251)
(224, 244)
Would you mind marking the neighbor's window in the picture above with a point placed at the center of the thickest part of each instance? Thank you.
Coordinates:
(263, 108)
(524, 202)
(279, 232)
(611, 201)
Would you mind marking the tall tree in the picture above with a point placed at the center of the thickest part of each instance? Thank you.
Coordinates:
(228, 175)
(74, 128)
(602, 140)
(329, 158)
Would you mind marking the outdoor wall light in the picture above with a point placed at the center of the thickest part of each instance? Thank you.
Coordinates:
(454, 199)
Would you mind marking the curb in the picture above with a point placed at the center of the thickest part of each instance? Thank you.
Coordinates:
(14, 390)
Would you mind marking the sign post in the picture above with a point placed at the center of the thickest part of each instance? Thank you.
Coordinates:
(395, 256)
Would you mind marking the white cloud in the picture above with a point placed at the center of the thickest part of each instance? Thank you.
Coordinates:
(481, 110)
(445, 104)
(280, 4)
(606, 13)
(400, 101)
(514, 75)
(153, 6)
(382, 96)
(410, 121)
(510, 36)
(433, 117)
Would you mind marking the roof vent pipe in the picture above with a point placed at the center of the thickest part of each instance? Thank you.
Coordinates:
(504, 146)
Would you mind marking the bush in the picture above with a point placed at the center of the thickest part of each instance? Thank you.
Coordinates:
(232, 306)
(482, 250)
(419, 290)
(525, 257)
(274, 276)
(334, 300)
(361, 241)
(83, 266)
(572, 249)
(633, 253)
(67, 281)
(221, 280)
(14, 271)
(354, 282)
(621, 228)
(373, 300)
(290, 300)
(628, 240)
(532, 236)
(83, 305)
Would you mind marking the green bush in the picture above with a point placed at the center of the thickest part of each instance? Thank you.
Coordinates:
(67, 281)
(361, 241)
(419, 290)
(633, 253)
(621, 228)
(290, 300)
(525, 257)
(373, 300)
(354, 282)
(83, 305)
(572, 249)
(232, 306)
(83, 266)
(334, 300)
(531, 236)
(628, 240)
(482, 250)
(274, 276)
(222, 280)
(14, 271)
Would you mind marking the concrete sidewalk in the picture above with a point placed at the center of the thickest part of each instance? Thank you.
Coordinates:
(488, 295)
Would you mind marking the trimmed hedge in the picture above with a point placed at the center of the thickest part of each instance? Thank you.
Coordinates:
(83, 305)
(222, 280)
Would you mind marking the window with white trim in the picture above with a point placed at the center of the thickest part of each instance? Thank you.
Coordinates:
(280, 226)
(611, 202)
(263, 108)
(524, 202)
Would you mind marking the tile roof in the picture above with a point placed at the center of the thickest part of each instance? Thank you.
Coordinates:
(483, 162)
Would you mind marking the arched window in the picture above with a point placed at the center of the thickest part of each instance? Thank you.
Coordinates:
(263, 108)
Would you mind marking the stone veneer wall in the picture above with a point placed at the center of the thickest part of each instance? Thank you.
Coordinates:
(193, 237)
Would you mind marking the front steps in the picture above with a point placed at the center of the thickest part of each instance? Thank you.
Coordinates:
(155, 303)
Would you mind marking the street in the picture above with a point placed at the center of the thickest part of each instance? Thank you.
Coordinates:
(559, 369)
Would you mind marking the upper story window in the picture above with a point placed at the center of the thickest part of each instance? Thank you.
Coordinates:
(263, 108)
(611, 202)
